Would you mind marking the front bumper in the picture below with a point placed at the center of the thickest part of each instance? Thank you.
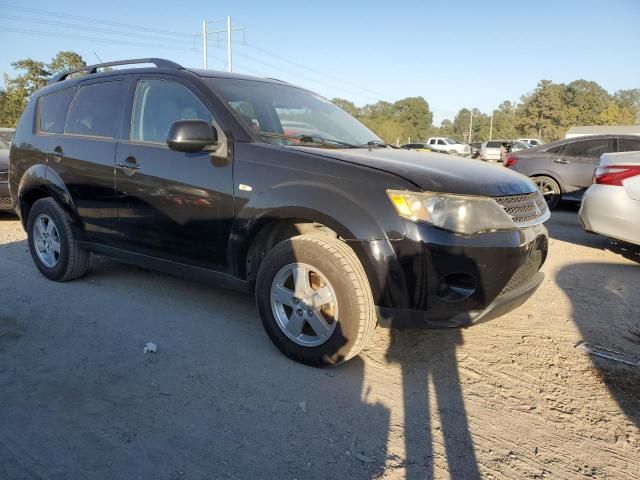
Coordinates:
(438, 279)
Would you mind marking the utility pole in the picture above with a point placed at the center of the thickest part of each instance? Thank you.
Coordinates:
(491, 126)
(229, 56)
(205, 39)
(470, 125)
(204, 42)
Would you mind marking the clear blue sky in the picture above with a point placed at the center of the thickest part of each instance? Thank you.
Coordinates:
(454, 53)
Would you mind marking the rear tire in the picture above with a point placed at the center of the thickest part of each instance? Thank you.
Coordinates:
(341, 297)
(52, 244)
(550, 190)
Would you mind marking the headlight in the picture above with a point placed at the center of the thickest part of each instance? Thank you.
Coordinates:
(458, 213)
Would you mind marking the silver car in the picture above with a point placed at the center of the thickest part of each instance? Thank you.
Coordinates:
(611, 206)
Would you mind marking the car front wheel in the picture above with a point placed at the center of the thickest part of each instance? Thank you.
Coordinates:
(314, 300)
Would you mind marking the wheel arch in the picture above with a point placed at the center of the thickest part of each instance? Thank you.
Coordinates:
(38, 182)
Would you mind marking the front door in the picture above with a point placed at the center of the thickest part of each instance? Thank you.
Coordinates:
(576, 162)
(173, 205)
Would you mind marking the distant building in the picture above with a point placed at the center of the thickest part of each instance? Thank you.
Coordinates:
(604, 130)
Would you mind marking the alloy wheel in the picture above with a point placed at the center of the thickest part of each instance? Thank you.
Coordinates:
(46, 240)
(304, 304)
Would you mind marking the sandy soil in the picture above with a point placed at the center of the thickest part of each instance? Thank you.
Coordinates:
(511, 398)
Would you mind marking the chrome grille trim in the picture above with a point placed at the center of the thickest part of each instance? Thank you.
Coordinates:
(526, 209)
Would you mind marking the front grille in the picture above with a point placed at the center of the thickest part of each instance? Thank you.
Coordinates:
(5, 202)
(525, 272)
(524, 209)
(4, 176)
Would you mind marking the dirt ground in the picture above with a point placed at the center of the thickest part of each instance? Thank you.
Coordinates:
(511, 398)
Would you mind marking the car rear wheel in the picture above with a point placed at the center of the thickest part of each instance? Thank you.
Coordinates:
(52, 244)
(549, 189)
(314, 300)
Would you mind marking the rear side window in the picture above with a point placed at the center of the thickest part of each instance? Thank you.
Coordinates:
(160, 103)
(51, 111)
(587, 148)
(628, 144)
(95, 111)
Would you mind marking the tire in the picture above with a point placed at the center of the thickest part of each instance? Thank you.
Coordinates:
(334, 268)
(453, 152)
(70, 261)
(549, 189)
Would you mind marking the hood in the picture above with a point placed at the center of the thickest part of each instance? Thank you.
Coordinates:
(435, 172)
(4, 160)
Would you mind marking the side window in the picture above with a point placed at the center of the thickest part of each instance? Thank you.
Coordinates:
(160, 103)
(628, 144)
(51, 110)
(432, 142)
(441, 142)
(95, 110)
(587, 148)
(557, 150)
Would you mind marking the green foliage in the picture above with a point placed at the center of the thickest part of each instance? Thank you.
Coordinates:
(409, 117)
(32, 75)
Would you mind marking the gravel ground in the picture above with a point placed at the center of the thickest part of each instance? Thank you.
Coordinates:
(511, 398)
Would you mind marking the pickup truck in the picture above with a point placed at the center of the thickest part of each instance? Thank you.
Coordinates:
(448, 145)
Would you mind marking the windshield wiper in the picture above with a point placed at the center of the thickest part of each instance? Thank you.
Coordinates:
(374, 143)
(309, 139)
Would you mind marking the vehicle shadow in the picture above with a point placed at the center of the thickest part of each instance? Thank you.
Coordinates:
(431, 383)
(616, 284)
(216, 401)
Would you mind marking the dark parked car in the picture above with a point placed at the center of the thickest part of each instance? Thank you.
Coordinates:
(5, 197)
(191, 171)
(563, 170)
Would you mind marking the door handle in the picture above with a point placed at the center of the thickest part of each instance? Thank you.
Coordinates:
(57, 154)
(130, 163)
(561, 160)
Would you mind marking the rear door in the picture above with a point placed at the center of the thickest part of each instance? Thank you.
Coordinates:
(628, 144)
(83, 156)
(172, 205)
(575, 163)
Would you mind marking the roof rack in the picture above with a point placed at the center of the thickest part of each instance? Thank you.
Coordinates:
(89, 69)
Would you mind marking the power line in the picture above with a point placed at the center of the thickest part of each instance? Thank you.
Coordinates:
(317, 72)
(92, 20)
(94, 39)
(92, 29)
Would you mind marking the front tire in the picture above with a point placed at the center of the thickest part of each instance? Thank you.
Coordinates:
(52, 244)
(549, 189)
(314, 300)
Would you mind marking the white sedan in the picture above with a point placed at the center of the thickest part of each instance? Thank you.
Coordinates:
(611, 206)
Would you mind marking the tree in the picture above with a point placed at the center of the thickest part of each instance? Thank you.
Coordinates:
(585, 101)
(629, 99)
(615, 114)
(32, 75)
(347, 106)
(66, 60)
(543, 113)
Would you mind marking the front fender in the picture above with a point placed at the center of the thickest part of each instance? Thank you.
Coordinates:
(306, 201)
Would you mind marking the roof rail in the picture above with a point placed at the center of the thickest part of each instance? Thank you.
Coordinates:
(89, 69)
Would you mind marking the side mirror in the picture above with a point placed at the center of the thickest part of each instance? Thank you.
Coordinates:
(191, 136)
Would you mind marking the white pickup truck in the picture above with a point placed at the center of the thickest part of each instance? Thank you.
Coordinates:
(448, 145)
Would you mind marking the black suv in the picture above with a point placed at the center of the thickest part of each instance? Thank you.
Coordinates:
(267, 187)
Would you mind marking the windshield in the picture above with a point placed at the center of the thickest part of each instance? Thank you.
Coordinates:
(285, 115)
(450, 142)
